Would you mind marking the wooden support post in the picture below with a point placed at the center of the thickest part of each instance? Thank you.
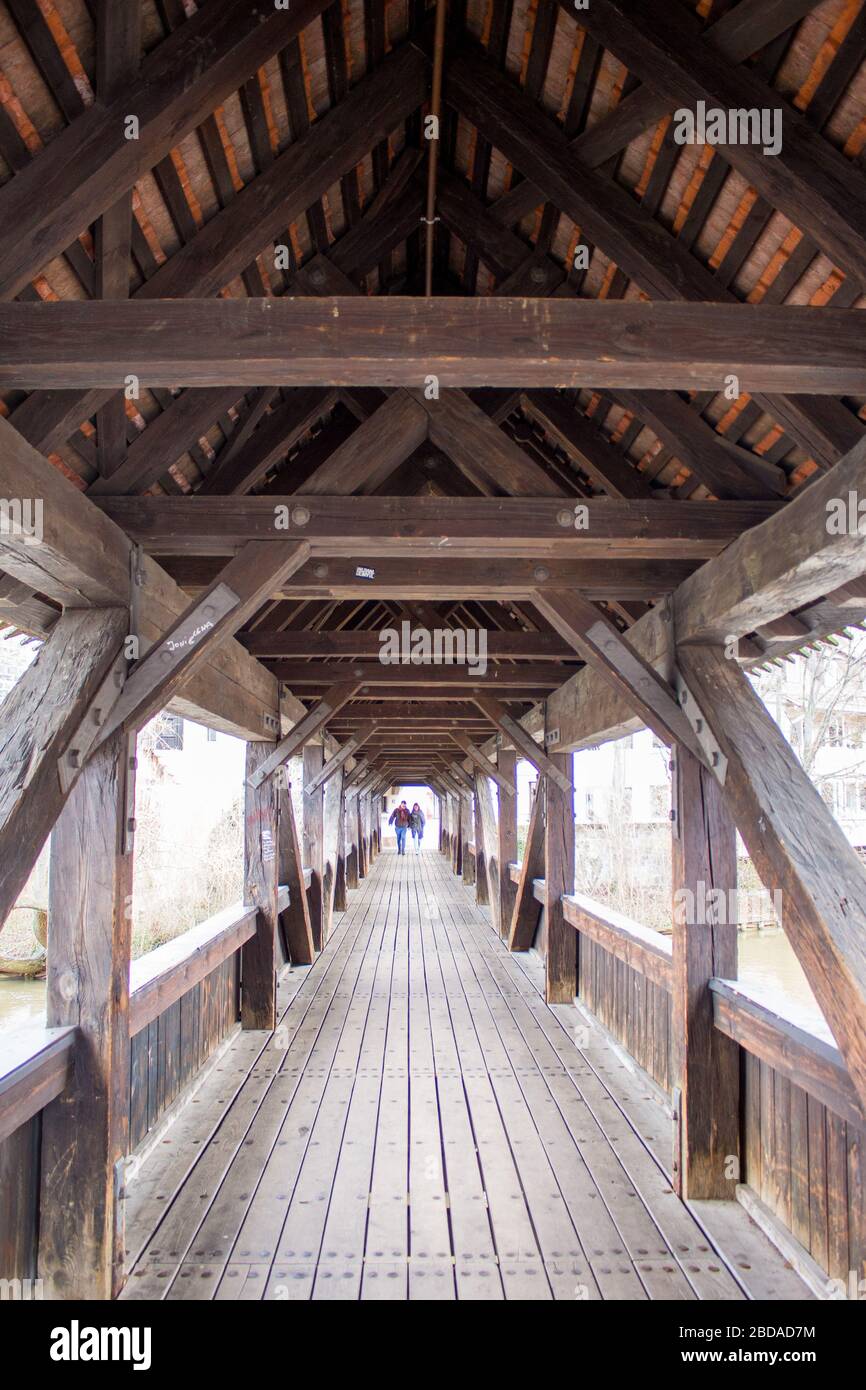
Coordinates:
(506, 762)
(706, 1064)
(490, 831)
(296, 918)
(526, 909)
(85, 1130)
(561, 954)
(351, 817)
(457, 849)
(341, 900)
(798, 849)
(482, 897)
(261, 882)
(48, 720)
(314, 839)
(331, 848)
(363, 842)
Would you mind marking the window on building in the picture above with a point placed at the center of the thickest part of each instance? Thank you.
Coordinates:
(835, 733)
(590, 806)
(170, 735)
(211, 735)
(660, 801)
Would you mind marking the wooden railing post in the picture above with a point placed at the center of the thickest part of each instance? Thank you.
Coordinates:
(85, 1130)
(705, 1063)
(261, 884)
(482, 897)
(296, 918)
(561, 953)
(506, 762)
(351, 818)
(314, 838)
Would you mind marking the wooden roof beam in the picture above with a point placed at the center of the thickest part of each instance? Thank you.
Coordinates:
(362, 527)
(461, 342)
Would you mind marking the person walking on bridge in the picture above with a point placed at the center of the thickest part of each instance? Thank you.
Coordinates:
(416, 825)
(399, 818)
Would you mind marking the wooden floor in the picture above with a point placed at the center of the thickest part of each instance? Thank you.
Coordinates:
(423, 1126)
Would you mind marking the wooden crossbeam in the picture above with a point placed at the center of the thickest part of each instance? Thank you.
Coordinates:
(461, 342)
(340, 758)
(246, 465)
(797, 846)
(363, 644)
(338, 695)
(613, 656)
(482, 452)
(787, 562)
(453, 577)
(526, 746)
(208, 622)
(483, 764)
(793, 560)
(42, 716)
(300, 673)
(183, 80)
(526, 910)
(83, 559)
(606, 528)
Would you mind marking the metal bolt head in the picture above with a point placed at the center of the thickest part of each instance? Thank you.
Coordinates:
(541, 573)
(317, 275)
(300, 516)
(565, 519)
(320, 571)
(538, 275)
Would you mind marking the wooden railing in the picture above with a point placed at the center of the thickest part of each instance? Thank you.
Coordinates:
(803, 1127)
(35, 1067)
(183, 1002)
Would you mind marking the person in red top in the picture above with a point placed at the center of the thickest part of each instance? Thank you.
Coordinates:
(399, 818)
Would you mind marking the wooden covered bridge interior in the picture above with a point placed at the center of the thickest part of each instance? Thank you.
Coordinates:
(351, 321)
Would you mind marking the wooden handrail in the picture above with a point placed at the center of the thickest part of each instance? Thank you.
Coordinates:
(811, 1063)
(158, 979)
(36, 1067)
(645, 950)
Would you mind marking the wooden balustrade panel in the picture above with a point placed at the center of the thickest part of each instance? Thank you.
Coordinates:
(19, 1200)
(165, 1056)
(809, 1167)
(632, 1008)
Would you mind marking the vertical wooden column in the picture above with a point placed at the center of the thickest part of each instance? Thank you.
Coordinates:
(85, 1130)
(351, 818)
(490, 832)
(314, 838)
(705, 1064)
(457, 847)
(469, 859)
(261, 882)
(341, 900)
(296, 918)
(506, 762)
(561, 955)
(482, 897)
(363, 843)
(332, 850)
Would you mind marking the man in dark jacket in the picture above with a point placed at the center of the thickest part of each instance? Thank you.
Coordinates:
(399, 818)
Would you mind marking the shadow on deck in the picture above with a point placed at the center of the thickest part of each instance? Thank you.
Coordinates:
(422, 1125)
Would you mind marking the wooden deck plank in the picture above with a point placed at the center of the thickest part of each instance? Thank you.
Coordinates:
(423, 1126)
